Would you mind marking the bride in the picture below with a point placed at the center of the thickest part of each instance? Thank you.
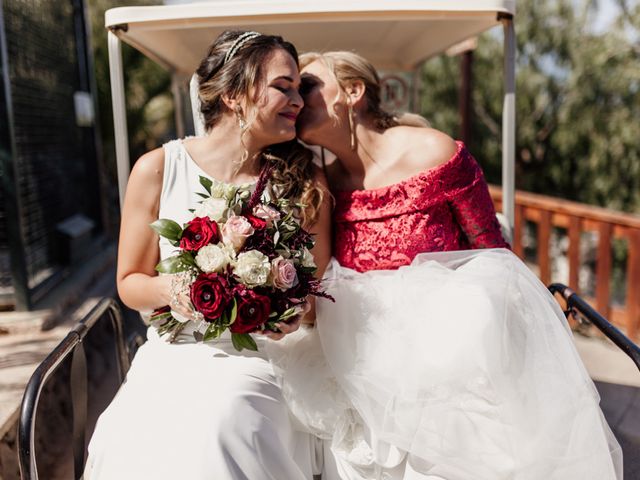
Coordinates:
(435, 361)
(203, 410)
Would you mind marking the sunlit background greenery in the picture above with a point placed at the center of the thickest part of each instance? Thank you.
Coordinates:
(578, 99)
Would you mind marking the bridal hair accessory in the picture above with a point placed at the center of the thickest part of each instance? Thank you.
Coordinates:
(239, 42)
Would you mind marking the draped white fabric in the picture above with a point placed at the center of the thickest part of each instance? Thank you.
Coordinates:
(199, 412)
(460, 366)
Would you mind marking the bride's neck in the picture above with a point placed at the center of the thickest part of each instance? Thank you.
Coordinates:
(222, 150)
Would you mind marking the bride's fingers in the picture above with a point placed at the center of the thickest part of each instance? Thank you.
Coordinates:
(291, 326)
(273, 335)
(183, 306)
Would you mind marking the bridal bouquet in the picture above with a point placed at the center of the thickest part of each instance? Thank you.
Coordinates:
(245, 264)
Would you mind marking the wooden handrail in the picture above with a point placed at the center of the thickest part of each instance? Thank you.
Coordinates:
(548, 212)
(568, 207)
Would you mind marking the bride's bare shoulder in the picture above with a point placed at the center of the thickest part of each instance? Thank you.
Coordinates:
(149, 167)
(145, 182)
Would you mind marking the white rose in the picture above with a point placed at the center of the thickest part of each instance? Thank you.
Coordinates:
(214, 208)
(307, 259)
(217, 189)
(252, 268)
(230, 191)
(212, 258)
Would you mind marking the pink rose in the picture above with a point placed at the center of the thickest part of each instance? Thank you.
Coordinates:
(283, 273)
(266, 213)
(236, 231)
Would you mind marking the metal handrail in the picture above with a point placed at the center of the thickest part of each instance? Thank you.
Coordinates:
(576, 303)
(70, 345)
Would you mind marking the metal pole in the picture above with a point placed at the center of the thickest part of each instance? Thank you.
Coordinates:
(416, 88)
(119, 113)
(509, 121)
(178, 104)
(464, 100)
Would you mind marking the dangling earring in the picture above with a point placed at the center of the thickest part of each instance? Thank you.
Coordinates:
(242, 123)
(352, 129)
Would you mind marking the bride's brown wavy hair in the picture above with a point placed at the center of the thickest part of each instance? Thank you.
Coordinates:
(242, 76)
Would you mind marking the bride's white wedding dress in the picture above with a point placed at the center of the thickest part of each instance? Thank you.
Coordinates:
(459, 366)
(194, 411)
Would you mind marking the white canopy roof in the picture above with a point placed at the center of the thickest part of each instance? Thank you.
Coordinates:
(392, 34)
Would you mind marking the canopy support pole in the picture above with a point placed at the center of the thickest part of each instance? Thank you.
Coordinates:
(119, 114)
(178, 103)
(509, 121)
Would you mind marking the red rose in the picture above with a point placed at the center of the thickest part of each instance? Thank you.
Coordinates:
(210, 295)
(253, 311)
(256, 223)
(199, 232)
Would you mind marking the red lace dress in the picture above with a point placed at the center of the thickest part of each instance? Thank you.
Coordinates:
(444, 208)
(458, 366)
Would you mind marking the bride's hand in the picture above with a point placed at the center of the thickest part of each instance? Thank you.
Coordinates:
(285, 328)
(290, 326)
(180, 303)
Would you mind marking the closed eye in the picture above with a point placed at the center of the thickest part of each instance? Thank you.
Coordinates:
(306, 85)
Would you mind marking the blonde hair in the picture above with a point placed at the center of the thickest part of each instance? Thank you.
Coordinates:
(238, 75)
(348, 67)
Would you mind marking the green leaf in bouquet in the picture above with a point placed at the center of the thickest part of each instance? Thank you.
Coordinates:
(173, 264)
(161, 316)
(202, 195)
(287, 314)
(276, 237)
(234, 312)
(206, 183)
(188, 259)
(168, 229)
(224, 319)
(287, 235)
(273, 314)
(213, 331)
(243, 340)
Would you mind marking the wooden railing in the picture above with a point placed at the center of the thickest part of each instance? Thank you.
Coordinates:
(576, 218)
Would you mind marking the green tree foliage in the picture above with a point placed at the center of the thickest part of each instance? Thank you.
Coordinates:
(578, 102)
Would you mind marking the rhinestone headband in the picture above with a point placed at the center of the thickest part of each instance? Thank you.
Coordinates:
(240, 41)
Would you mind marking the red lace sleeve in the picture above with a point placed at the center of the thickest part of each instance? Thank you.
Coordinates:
(469, 198)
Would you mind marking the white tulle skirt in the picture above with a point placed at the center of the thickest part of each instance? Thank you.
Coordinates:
(197, 411)
(460, 366)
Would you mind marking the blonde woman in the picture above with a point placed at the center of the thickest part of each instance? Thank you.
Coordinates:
(193, 410)
(446, 357)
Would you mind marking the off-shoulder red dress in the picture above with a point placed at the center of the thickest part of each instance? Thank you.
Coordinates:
(445, 208)
(440, 358)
